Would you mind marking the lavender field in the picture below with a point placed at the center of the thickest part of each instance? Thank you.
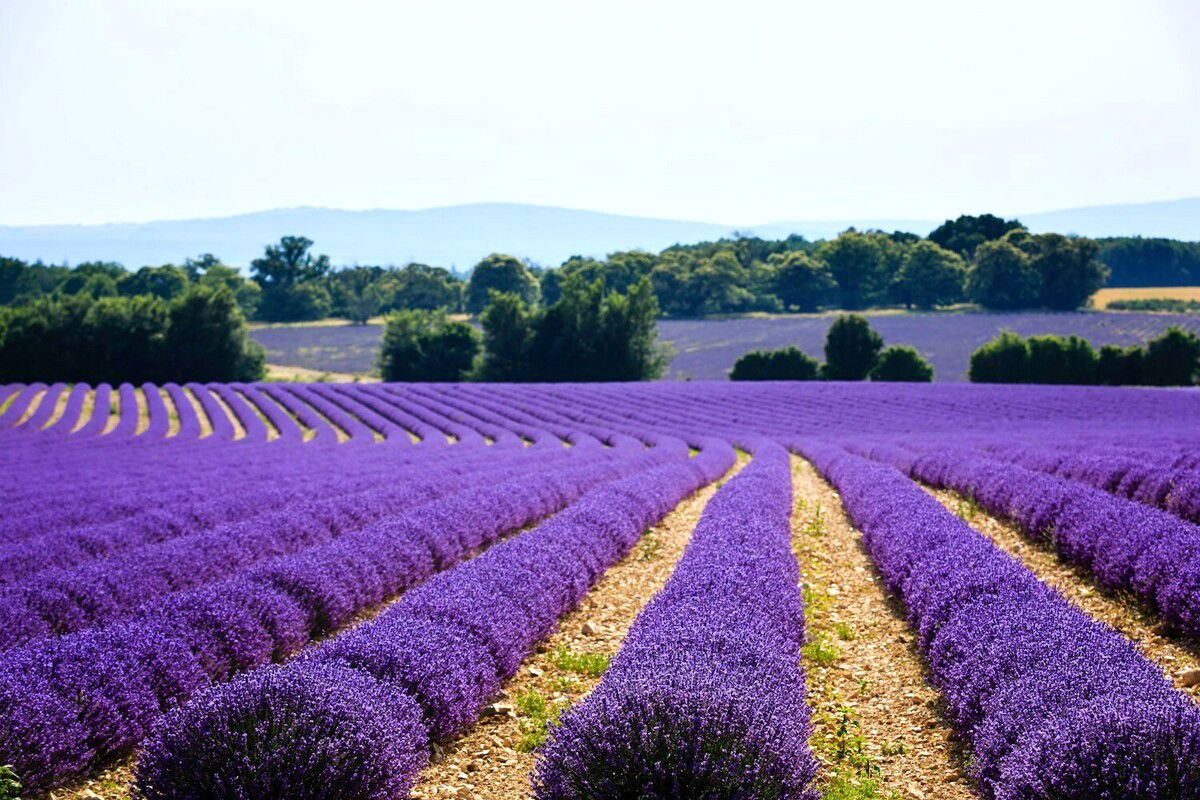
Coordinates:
(386, 591)
(706, 349)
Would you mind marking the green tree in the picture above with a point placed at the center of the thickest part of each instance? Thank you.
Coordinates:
(800, 281)
(858, 264)
(930, 276)
(247, 292)
(1004, 359)
(166, 282)
(357, 293)
(425, 346)
(503, 274)
(127, 336)
(1172, 359)
(965, 234)
(507, 331)
(206, 338)
(784, 364)
(851, 349)
(422, 286)
(16, 279)
(289, 275)
(1070, 273)
(902, 363)
(1003, 278)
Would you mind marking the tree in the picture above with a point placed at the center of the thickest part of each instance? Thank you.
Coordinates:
(127, 337)
(1003, 278)
(166, 282)
(626, 347)
(1172, 359)
(288, 274)
(422, 286)
(206, 338)
(1004, 359)
(248, 293)
(965, 234)
(800, 281)
(858, 265)
(356, 292)
(1070, 273)
(785, 364)
(507, 330)
(16, 279)
(930, 276)
(503, 274)
(425, 346)
(851, 349)
(902, 363)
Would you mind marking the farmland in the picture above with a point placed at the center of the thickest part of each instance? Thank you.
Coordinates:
(706, 349)
(698, 589)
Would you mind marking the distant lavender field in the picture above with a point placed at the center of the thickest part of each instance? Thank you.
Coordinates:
(706, 349)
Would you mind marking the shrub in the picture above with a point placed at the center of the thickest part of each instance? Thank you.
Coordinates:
(851, 349)
(425, 346)
(206, 338)
(1121, 366)
(1005, 359)
(902, 363)
(785, 364)
(1172, 359)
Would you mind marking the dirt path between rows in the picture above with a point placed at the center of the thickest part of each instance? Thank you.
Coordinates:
(1174, 654)
(494, 760)
(876, 719)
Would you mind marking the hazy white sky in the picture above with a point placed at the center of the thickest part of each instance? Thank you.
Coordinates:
(740, 113)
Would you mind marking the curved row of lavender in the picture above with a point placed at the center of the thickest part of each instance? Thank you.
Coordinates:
(361, 712)
(147, 556)
(706, 696)
(1054, 704)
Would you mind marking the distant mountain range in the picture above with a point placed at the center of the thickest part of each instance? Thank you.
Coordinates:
(458, 236)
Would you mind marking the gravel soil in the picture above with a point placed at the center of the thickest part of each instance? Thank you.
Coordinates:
(876, 718)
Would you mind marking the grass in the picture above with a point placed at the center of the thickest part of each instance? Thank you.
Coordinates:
(820, 650)
(591, 664)
(845, 631)
(538, 716)
(967, 509)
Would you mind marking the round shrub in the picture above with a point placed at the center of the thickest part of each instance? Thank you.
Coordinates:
(317, 732)
(902, 363)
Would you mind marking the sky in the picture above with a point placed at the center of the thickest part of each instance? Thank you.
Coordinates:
(738, 113)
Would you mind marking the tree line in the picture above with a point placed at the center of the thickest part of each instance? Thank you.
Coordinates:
(983, 259)
(199, 335)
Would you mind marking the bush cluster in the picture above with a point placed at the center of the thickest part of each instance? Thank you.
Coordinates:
(1172, 359)
(854, 351)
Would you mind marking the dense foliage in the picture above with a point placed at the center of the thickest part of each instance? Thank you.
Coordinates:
(424, 346)
(1172, 359)
(784, 364)
(854, 351)
(1169, 305)
(200, 335)
(1137, 261)
(587, 335)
